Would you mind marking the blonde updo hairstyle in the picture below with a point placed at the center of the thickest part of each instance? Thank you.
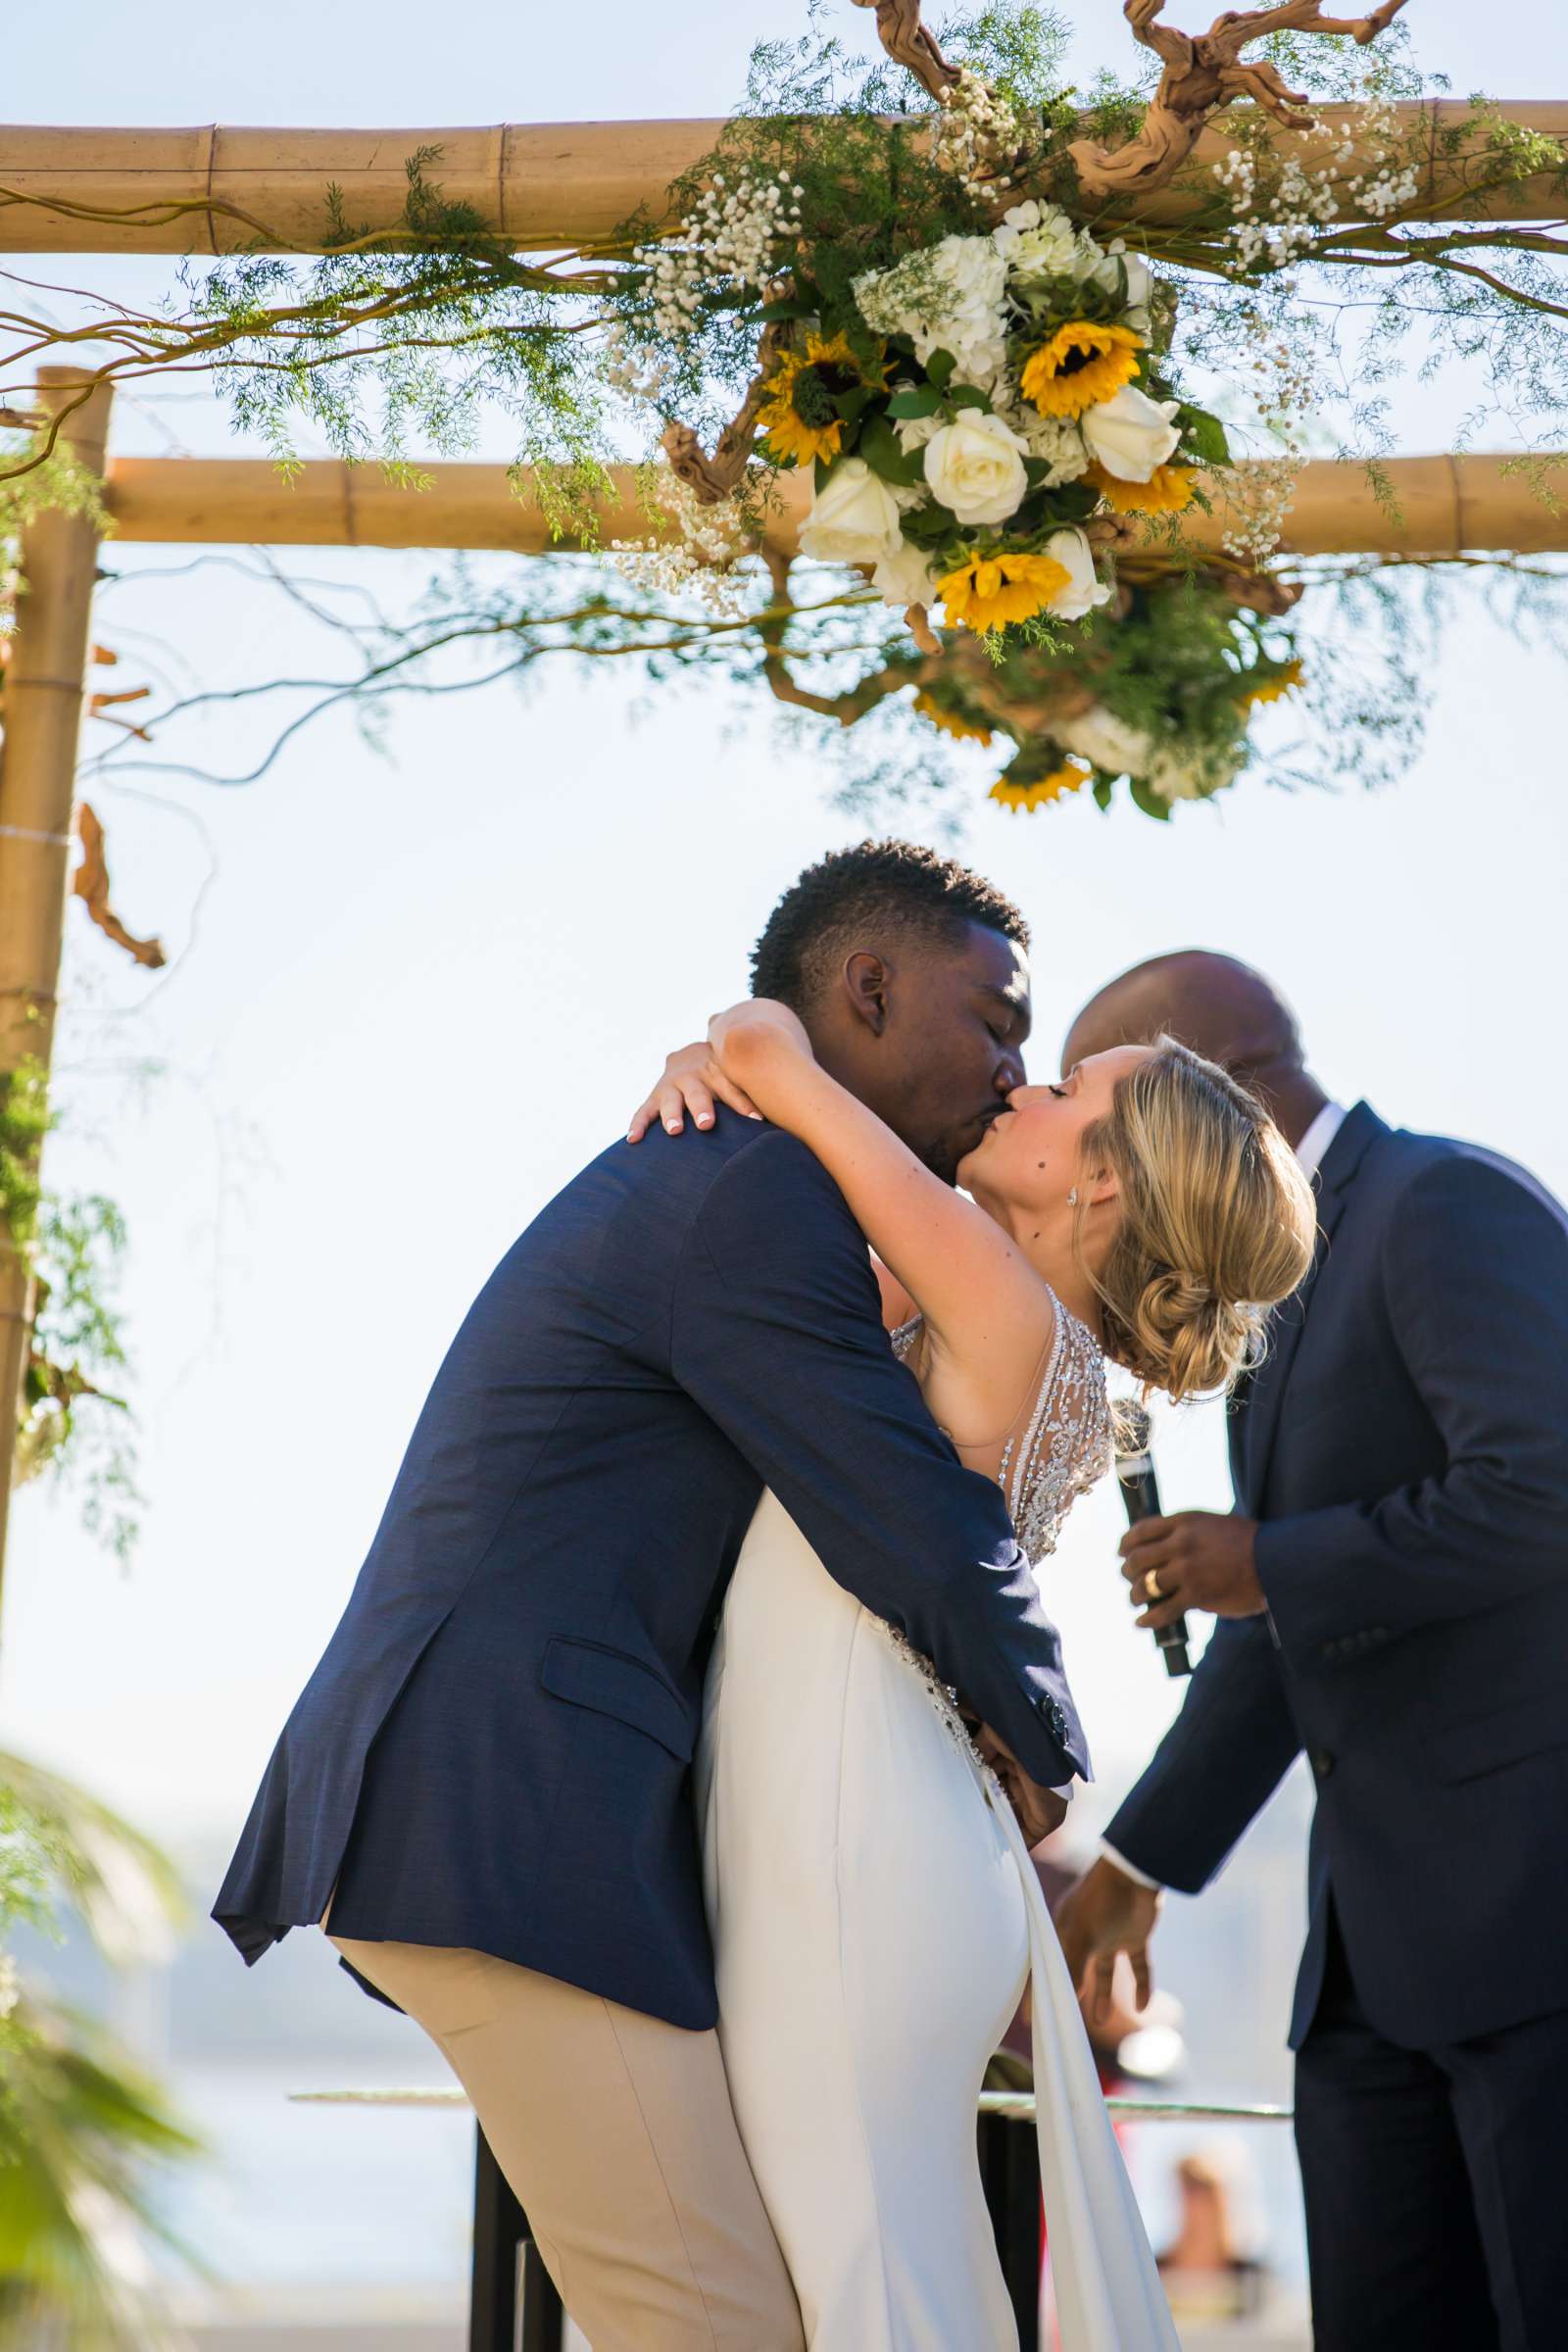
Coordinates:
(1216, 1222)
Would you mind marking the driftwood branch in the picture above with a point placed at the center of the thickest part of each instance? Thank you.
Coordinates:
(1202, 74)
(714, 479)
(855, 701)
(90, 882)
(1015, 703)
(908, 43)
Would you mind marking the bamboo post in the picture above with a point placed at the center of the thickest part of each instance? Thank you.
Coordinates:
(542, 186)
(44, 686)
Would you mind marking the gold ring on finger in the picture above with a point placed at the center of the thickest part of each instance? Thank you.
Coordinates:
(1152, 1586)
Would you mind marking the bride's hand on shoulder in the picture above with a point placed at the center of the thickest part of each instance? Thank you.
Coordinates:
(752, 1039)
(693, 1082)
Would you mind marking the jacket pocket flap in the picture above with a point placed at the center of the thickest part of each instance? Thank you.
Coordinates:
(1503, 1736)
(613, 1684)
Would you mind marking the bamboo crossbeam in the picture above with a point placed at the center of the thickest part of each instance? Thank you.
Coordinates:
(217, 188)
(1440, 506)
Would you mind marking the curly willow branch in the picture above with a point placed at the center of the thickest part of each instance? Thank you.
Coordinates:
(1202, 74)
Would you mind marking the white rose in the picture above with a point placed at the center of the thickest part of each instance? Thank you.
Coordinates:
(906, 577)
(1083, 591)
(1139, 280)
(1107, 741)
(975, 466)
(854, 518)
(1130, 434)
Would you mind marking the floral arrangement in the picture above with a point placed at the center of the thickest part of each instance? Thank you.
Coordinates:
(982, 389)
(959, 326)
(970, 409)
(987, 394)
(1162, 694)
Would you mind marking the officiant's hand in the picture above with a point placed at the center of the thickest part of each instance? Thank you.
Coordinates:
(693, 1082)
(1038, 1810)
(1107, 1913)
(1197, 1560)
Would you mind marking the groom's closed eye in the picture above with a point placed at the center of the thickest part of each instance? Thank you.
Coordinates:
(1008, 1021)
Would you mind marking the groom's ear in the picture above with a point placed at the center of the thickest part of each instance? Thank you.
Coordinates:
(866, 985)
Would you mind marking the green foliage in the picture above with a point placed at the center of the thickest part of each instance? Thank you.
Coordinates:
(71, 1424)
(434, 319)
(86, 2137)
(35, 476)
(1018, 50)
(66, 1421)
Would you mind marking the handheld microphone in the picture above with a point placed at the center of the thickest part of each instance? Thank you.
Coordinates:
(1140, 1492)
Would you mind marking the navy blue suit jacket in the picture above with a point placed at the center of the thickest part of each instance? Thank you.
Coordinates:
(494, 1750)
(1406, 1446)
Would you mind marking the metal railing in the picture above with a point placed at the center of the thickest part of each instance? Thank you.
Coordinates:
(513, 2306)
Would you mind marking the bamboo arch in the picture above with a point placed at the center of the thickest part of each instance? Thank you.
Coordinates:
(1431, 507)
(541, 187)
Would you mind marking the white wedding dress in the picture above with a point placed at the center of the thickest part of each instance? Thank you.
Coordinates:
(875, 1916)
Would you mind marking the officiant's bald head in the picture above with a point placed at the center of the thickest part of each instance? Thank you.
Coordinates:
(1219, 1006)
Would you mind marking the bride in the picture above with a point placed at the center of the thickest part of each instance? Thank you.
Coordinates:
(875, 1916)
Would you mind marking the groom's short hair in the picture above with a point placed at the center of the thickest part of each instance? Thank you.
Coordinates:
(875, 896)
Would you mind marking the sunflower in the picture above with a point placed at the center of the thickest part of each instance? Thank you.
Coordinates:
(1275, 686)
(1069, 777)
(1081, 365)
(799, 418)
(1168, 489)
(990, 591)
(963, 730)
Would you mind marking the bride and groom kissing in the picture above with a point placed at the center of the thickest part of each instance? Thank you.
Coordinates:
(677, 1760)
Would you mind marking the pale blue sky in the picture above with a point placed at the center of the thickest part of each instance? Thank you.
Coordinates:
(423, 991)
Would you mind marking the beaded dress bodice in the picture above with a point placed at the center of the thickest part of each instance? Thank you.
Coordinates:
(1065, 1443)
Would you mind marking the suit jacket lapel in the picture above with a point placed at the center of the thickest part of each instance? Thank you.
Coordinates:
(1252, 1443)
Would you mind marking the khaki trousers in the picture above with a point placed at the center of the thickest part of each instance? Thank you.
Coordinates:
(616, 2133)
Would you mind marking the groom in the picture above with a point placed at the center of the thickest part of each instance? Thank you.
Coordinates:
(487, 1777)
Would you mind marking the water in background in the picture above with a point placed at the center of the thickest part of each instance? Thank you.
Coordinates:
(331, 2200)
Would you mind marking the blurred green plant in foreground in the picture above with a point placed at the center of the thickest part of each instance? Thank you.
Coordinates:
(85, 2135)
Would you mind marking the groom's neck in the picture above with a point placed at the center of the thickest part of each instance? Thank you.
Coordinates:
(854, 1061)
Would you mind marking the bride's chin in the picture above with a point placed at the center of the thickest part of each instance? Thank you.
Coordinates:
(984, 1152)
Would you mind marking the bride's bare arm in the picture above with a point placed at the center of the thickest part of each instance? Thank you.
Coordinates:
(897, 1308)
(965, 1274)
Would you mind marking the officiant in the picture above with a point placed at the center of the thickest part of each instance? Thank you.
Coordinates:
(1392, 1591)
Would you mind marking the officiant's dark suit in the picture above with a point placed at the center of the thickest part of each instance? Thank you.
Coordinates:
(1404, 1447)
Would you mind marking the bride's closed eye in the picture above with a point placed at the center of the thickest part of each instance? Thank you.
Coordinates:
(1061, 1092)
